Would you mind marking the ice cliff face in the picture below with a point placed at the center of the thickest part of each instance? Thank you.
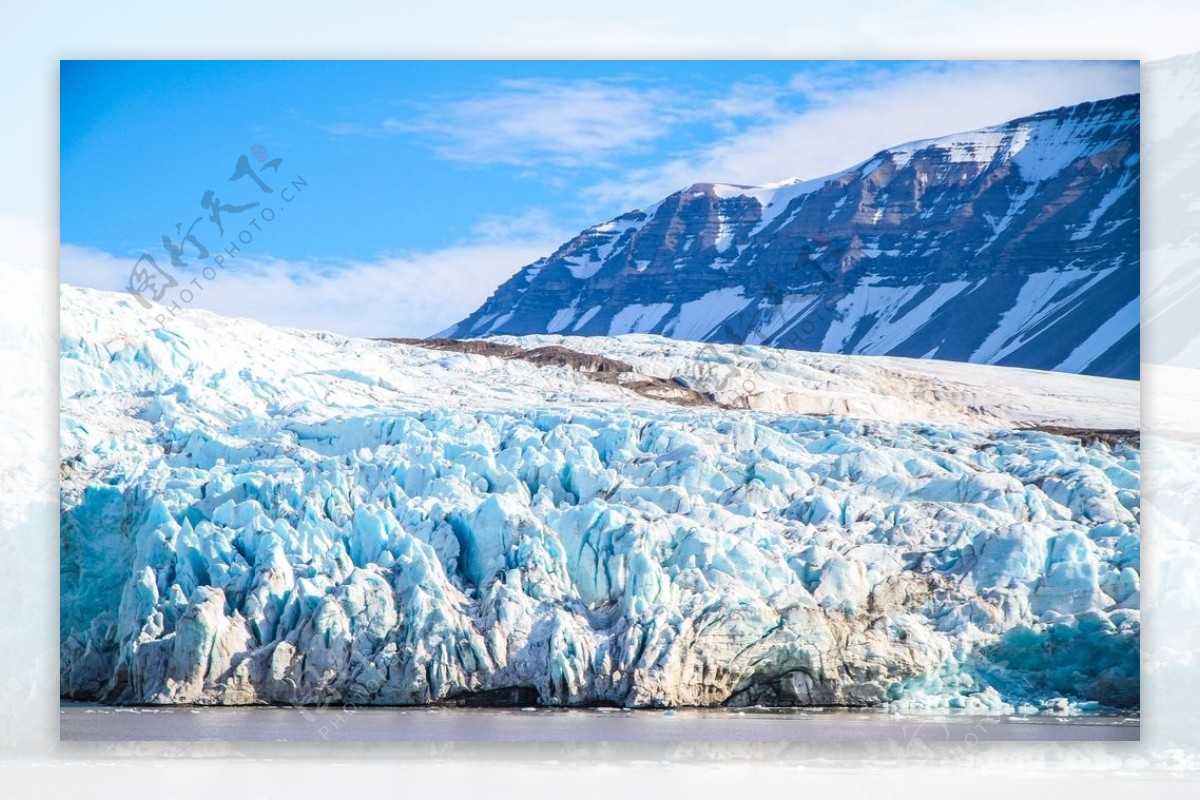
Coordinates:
(251, 515)
(1014, 245)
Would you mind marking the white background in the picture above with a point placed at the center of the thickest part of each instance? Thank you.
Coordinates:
(33, 37)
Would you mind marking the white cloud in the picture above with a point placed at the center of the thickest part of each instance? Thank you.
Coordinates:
(567, 124)
(408, 295)
(850, 111)
(853, 115)
(564, 123)
(529, 224)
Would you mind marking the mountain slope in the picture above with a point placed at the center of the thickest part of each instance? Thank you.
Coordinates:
(1015, 244)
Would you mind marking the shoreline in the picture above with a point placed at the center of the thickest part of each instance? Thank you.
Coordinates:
(91, 722)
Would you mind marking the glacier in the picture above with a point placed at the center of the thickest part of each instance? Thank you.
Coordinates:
(259, 515)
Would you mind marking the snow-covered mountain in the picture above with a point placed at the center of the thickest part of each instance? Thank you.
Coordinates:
(252, 514)
(1015, 245)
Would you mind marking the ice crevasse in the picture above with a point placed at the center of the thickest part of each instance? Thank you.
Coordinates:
(256, 515)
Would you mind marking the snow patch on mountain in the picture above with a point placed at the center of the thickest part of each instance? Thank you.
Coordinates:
(1111, 197)
(698, 318)
(563, 318)
(638, 317)
(1104, 337)
(587, 316)
(890, 313)
(1042, 297)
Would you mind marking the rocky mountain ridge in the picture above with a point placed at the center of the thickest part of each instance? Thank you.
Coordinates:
(1015, 244)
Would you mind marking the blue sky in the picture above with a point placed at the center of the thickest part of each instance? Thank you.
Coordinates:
(429, 183)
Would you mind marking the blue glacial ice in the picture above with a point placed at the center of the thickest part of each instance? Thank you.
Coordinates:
(251, 515)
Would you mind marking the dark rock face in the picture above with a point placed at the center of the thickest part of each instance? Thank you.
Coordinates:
(1014, 245)
(599, 368)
